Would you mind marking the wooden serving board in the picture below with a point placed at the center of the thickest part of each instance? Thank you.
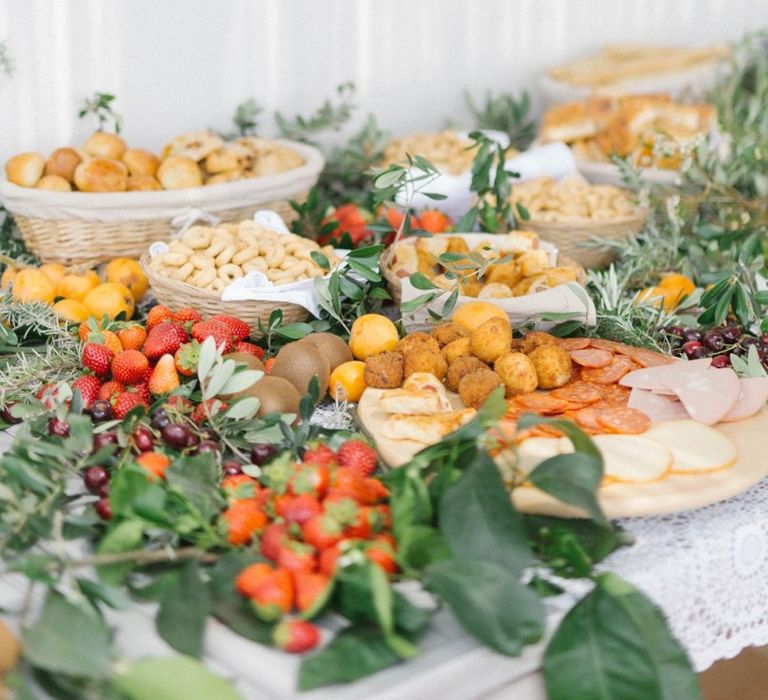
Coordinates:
(672, 494)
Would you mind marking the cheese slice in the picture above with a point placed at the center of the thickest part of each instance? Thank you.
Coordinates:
(695, 447)
(633, 459)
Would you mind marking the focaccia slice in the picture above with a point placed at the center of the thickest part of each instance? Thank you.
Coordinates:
(426, 430)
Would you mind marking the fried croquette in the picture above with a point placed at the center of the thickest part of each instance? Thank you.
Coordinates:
(517, 371)
(457, 245)
(384, 371)
(448, 332)
(471, 288)
(534, 339)
(475, 387)
(455, 349)
(461, 366)
(491, 339)
(553, 366)
(417, 340)
(507, 273)
(420, 359)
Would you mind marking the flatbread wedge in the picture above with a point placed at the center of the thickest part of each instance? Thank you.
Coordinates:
(426, 430)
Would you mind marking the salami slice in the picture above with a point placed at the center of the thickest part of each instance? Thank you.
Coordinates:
(623, 420)
(592, 357)
(620, 365)
(578, 393)
(605, 344)
(587, 419)
(544, 404)
(646, 358)
(615, 394)
(570, 344)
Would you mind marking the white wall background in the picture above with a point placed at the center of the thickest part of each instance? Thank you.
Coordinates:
(180, 65)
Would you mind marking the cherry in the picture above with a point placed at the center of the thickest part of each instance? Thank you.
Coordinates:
(207, 434)
(176, 435)
(58, 427)
(103, 439)
(731, 334)
(192, 440)
(764, 340)
(747, 341)
(143, 438)
(160, 419)
(261, 453)
(675, 330)
(6, 414)
(232, 468)
(699, 353)
(104, 491)
(721, 361)
(104, 509)
(691, 334)
(101, 411)
(691, 346)
(95, 478)
(207, 446)
(713, 340)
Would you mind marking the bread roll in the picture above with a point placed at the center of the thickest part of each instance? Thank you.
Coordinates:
(228, 176)
(62, 162)
(141, 162)
(195, 145)
(143, 183)
(54, 183)
(25, 169)
(232, 156)
(104, 145)
(101, 175)
(177, 172)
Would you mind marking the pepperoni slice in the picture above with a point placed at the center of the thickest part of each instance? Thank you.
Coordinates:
(611, 374)
(587, 419)
(545, 404)
(623, 420)
(578, 393)
(647, 358)
(592, 357)
(570, 344)
(615, 394)
(604, 344)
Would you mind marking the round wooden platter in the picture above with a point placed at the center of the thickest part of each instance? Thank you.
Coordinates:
(672, 494)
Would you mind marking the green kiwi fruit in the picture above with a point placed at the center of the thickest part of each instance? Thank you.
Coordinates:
(277, 395)
(333, 347)
(298, 362)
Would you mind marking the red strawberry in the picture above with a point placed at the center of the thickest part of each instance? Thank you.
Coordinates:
(272, 540)
(132, 337)
(187, 357)
(329, 558)
(322, 454)
(312, 591)
(158, 314)
(164, 339)
(358, 455)
(142, 389)
(97, 358)
(250, 348)
(109, 390)
(125, 402)
(129, 366)
(321, 531)
(89, 386)
(297, 556)
(368, 520)
(180, 403)
(218, 330)
(249, 579)
(381, 551)
(164, 377)
(311, 478)
(299, 509)
(47, 394)
(239, 487)
(213, 406)
(240, 329)
(296, 636)
(244, 519)
(273, 596)
(187, 315)
(347, 483)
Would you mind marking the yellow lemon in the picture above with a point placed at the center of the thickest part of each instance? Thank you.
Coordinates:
(347, 381)
(127, 271)
(32, 285)
(474, 314)
(71, 310)
(77, 286)
(372, 334)
(110, 298)
(54, 272)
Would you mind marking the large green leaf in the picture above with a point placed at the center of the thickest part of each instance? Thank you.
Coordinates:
(196, 478)
(615, 643)
(490, 603)
(183, 611)
(172, 678)
(68, 638)
(478, 520)
(122, 536)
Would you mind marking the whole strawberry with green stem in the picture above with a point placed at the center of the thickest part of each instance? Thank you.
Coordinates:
(296, 636)
(164, 339)
(97, 358)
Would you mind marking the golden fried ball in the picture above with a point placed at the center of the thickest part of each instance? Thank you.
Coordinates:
(455, 349)
(384, 371)
(491, 339)
(518, 373)
(534, 339)
(422, 359)
(461, 366)
(507, 273)
(447, 333)
(553, 366)
(417, 340)
(475, 387)
(471, 288)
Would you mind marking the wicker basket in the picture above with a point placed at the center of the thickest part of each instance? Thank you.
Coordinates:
(176, 295)
(76, 228)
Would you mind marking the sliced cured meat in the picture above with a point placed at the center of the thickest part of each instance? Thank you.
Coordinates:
(603, 344)
(628, 421)
(647, 358)
(581, 393)
(570, 344)
(587, 419)
(633, 459)
(611, 374)
(695, 447)
(708, 395)
(658, 408)
(592, 357)
(545, 404)
(656, 378)
(615, 395)
(753, 393)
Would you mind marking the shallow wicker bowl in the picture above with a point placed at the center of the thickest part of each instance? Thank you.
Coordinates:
(177, 295)
(76, 228)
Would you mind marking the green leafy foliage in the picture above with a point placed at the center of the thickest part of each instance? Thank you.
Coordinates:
(505, 113)
(100, 107)
(327, 116)
(184, 608)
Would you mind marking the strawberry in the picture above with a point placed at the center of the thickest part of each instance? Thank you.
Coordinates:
(97, 358)
(244, 519)
(240, 329)
(322, 454)
(381, 551)
(364, 525)
(47, 394)
(129, 366)
(109, 390)
(164, 339)
(108, 338)
(180, 404)
(358, 455)
(208, 407)
(347, 483)
(218, 330)
(321, 531)
(299, 509)
(272, 540)
(328, 560)
(158, 314)
(187, 315)
(434, 221)
(273, 596)
(310, 478)
(296, 556)
(142, 389)
(186, 358)
(296, 636)
(132, 337)
(268, 364)
(155, 463)
(89, 386)
(164, 377)
(250, 578)
(239, 487)
(125, 402)
(312, 591)
(250, 348)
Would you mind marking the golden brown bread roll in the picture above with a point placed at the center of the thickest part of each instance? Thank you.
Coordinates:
(143, 183)
(62, 162)
(141, 162)
(176, 172)
(101, 175)
(195, 145)
(228, 176)
(104, 145)
(54, 183)
(25, 169)
(231, 156)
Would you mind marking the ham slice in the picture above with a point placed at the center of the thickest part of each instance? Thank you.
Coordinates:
(658, 408)
(658, 378)
(708, 395)
(753, 395)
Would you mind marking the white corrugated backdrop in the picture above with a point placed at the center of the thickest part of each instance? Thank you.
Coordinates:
(180, 65)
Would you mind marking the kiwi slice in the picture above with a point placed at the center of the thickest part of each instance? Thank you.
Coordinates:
(298, 362)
